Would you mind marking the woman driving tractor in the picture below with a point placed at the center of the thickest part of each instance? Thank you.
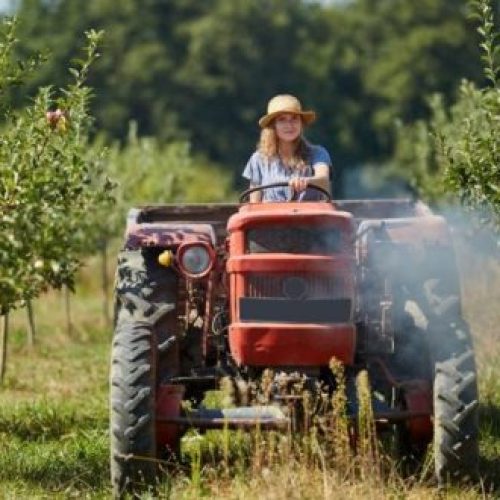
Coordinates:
(283, 154)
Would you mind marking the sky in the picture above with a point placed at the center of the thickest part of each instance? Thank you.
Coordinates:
(5, 4)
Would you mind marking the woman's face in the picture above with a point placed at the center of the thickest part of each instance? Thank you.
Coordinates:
(288, 127)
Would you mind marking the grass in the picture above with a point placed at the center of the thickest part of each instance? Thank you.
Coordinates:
(54, 429)
(53, 406)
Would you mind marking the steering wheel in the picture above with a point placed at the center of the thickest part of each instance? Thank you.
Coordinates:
(326, 195)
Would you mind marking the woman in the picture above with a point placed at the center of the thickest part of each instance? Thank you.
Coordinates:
(283, 155)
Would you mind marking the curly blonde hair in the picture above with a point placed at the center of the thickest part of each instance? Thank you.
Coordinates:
(268, 147)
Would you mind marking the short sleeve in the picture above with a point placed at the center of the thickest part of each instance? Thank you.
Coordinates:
(253, 171)
(320, 155)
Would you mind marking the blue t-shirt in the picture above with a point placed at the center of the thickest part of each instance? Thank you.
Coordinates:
(259, 171)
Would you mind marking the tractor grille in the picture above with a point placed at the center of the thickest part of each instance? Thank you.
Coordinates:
(302, 285)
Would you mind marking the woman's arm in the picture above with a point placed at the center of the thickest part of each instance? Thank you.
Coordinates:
(321, 176)
(256, 196)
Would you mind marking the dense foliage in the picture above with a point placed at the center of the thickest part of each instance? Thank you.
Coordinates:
(203, 71)
(48, 180)
(458, 150)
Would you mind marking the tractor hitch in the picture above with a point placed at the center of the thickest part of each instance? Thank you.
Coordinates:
(262, 417)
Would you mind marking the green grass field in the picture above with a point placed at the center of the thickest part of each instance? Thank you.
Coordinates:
(53, 419)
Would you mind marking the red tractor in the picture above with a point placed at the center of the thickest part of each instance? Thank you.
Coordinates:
(225, 291)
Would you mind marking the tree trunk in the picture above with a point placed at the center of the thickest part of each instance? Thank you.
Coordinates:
(4, 332)
(67, 308)
(31, 323)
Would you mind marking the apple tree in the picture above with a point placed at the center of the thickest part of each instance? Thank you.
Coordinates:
(49, 182)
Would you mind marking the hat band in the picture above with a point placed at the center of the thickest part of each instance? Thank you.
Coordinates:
(308, 116)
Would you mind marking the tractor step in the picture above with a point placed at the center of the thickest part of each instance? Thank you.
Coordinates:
(263, 417)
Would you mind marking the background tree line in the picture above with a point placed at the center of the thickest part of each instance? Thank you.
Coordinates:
(203, 71)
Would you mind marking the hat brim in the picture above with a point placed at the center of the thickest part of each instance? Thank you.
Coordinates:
(308, 117)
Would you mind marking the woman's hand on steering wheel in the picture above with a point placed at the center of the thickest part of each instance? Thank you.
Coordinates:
(298, 184)
(326, 196)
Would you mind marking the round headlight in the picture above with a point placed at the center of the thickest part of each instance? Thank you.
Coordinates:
(195, 260)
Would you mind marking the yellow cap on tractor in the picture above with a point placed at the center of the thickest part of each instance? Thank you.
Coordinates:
(166, 258)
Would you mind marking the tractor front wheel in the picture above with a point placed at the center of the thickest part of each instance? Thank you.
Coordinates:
(132, 411)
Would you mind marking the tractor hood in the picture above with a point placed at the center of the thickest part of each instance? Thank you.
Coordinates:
(253, 214)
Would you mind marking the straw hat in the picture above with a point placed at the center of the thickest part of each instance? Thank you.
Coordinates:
(285, 103)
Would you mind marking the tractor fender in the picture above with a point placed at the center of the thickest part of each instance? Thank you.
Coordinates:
(167, 234)
(405, 243)
(417, 232)
(407, 251)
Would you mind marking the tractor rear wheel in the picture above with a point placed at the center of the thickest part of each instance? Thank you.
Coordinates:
(456, 453)
(455, 395)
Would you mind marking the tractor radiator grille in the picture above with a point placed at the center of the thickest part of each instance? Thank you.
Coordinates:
(307, 285)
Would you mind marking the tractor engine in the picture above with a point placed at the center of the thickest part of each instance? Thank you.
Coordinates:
(291, 276)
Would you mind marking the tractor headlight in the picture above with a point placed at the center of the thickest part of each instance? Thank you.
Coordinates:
(195, 260)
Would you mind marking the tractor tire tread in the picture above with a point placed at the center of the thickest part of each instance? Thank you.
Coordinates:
(133, 449)
(455, 412)
(145, 294)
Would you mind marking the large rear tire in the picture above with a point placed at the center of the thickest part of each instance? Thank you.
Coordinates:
(455, 395)
(456, 451)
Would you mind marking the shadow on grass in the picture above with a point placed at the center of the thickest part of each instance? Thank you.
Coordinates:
(489, 464)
